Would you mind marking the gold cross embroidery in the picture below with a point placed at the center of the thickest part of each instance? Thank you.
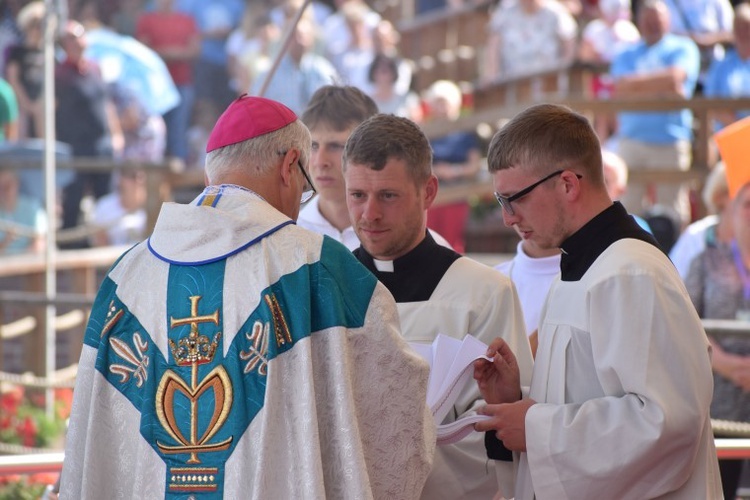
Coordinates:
(192, 351)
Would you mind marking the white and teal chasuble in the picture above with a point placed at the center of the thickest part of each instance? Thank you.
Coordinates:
(235, 355)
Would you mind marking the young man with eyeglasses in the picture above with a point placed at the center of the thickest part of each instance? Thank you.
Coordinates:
(389, 187)
(533, 269)
(619, 401)
(236, 355)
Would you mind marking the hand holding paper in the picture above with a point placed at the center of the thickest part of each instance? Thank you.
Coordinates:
(499, 380)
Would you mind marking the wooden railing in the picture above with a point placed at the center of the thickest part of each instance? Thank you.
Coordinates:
(445, 44)
(496, 102)
(493, 106)
(22, 288)
(157, 175)
(557, 82)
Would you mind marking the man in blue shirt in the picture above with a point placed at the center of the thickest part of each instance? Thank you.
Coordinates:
(707, 22)
(731, 76)
(660, 65)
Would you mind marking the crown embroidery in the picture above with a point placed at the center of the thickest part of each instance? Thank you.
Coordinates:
(194, 349)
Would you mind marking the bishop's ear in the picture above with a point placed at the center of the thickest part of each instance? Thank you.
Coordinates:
(288, 163)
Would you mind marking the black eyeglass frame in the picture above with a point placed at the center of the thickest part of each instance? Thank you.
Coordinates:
(307, 194)
(505, 201)
(312, 192)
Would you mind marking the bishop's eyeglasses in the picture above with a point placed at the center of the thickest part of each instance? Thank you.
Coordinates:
(308, 191)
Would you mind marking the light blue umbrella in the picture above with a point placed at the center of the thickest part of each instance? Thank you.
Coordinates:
(131, 63)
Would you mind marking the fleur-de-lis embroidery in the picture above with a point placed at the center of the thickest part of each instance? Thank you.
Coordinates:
(137, 360)
(256, 356)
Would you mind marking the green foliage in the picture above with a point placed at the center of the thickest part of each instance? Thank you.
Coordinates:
(24, 421)
(21, 490)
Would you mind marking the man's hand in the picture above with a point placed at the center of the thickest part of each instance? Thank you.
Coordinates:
(500, 380)
(509, 422)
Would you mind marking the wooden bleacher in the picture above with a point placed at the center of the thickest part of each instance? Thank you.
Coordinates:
(448, 44)
(445, 44)
(434, 43)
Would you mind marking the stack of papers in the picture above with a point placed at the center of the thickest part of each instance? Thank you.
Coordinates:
(451, 368)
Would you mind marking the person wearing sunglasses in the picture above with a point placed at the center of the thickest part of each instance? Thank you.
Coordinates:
(389, 187)
(619, 401)
(235, 354)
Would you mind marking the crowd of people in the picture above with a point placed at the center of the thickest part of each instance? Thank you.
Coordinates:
(215, 51)
(259, 332)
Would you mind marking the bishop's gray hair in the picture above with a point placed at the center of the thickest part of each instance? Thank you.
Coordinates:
(259, 155)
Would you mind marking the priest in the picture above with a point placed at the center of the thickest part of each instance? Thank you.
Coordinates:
(389, 186)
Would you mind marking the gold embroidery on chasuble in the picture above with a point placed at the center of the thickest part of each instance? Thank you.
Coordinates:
(113, 316)
(257, 355)
(280, 327)
(209, 200)
(192, 351)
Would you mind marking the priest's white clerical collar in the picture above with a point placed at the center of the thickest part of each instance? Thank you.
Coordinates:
(384, 266)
